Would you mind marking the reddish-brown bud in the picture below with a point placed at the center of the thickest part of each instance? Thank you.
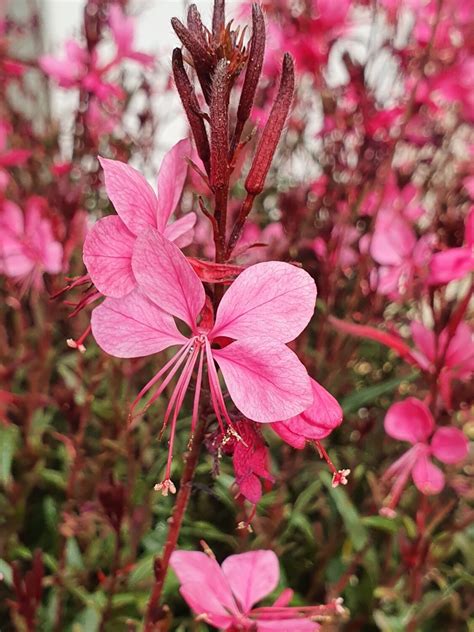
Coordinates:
(203, 60)
(191, 107)
(273, 129)
(254, 65)
(195, 24)
(219, 117)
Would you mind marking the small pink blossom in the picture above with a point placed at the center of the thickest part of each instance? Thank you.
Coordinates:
(27, 244)
(267, 306)
(412, 421)
(109, 245)
(401, 256)
(225, 596)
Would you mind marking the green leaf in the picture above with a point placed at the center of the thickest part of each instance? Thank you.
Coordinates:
(9, 438)
(368, 395)
(355, 528)
(379, 522)
(6, 572)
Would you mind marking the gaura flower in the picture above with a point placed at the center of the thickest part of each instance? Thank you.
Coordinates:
(412, 421)
(27, 244)
(268, 305)
(225, 596)
(399, 253)
(109, 245)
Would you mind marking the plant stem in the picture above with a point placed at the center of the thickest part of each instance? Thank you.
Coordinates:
(153, 613)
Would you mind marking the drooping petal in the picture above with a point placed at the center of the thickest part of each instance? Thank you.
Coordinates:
(452, 264)
(251, 576)
(133, 327)
(171, 179)
(181, 231)
(271, 299)
(203, 583)
(409, 420)
(449, 445)
(132, 196)
(265, 379)
(318, 421)
(166, 277)
(107, 256)
(295, 440)
(11, 219)
(428, 478)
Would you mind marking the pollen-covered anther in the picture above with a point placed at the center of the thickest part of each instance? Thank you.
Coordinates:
(73, 344)
(166, 487)
(340, 477)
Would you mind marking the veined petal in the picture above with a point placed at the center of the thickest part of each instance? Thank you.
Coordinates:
(203, 584)
(428, 478)
(166, 277)
(265, 379)
(271, 299)
(181, 231)
(206, 605)
(171, 179)
(133, 327)
(409, 420)
(251, 576)
(132, 196)
(449, 445)
(295, 440)
(107, 256)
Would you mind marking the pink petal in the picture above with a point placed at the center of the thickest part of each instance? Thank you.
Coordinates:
(409, 420)
(424, 340)
(452, 264)
(207, 605)
(265, 379)
(428, 478)
(460, 352)
(166, 277)
(295, 440)
(251, 576)
(132, 327)
(132, 196)
(171, 179)
(271, 299)
(181, 231)
(449, 445)
(393, 239)
(107, 256)
(203, 584)
(11, 218)
(320, 419)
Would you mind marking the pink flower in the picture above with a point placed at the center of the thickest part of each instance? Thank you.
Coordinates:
(454, 352)
(268, 305)
(315, 423)
(401, 256)
(27, 244)
(123, 32)
(412, 421)
(109, 245)
(454, 263)
(225, 596)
